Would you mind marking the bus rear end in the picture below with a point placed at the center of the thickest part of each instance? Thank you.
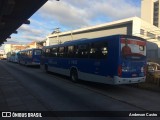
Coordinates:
(132, 62)
(36, 56)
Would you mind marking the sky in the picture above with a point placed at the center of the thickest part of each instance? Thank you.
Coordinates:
(73, 14)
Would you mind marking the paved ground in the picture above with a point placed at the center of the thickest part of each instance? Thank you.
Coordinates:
(149, 86)
(14, 97)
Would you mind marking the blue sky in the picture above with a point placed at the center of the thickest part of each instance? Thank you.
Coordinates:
(73, 14)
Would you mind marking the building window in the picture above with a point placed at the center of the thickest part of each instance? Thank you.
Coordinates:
(151, 35)
(156, 13)
(158, 38)
(141, 31)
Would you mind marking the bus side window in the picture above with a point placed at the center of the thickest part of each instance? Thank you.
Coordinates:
(104, 50)
(92, 52)
(29, 54)
(47, 52)
(61, 52)
(98, 50)
(43, 52)
(25, 53)
(70, 51)
(37, 52)
(82, 51)
(54, 52)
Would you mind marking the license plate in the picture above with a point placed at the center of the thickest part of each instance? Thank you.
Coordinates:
(134, 75)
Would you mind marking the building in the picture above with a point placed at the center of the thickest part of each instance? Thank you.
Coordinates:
(7, 48)
(130, 26)
(2, 55)
(31, 45)
(116, 27)
(150, 11)
(12, 48)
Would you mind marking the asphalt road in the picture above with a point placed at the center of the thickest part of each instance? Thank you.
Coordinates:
(58, 93)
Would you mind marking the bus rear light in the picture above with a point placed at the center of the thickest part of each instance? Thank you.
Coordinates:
(119, 70)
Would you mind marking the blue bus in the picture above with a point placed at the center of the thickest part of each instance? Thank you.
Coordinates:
(29, 56)
(117, 59)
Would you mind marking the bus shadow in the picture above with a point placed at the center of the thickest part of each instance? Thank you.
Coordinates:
(92, 85)
(99, 86)
(59, 75)
(33, 67)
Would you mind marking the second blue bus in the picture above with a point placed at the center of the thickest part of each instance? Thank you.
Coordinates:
(29, 56)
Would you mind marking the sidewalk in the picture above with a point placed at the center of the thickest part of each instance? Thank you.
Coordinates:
(14, 97)
(149, 86)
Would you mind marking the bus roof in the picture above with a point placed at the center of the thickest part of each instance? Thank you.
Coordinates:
(86, 40)
(31, 49)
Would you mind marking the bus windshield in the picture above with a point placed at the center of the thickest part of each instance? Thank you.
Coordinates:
(132, 48)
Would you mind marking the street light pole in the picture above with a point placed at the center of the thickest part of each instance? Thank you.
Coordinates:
(57, 31)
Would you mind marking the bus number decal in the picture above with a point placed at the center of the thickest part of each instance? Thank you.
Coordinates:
(74, 62)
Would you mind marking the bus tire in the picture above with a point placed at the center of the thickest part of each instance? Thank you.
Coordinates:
(26, 64)
(74, 75)
(19, 63)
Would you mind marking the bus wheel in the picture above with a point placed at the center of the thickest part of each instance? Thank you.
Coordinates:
(74, 75)
(26, 64)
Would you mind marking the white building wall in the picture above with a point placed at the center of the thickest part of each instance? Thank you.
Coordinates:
(154, 30)
(1, 51)
(136, 26)
(99, 33)
(7, 48)
(88, 33)
(159, 15)
(147, 10)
